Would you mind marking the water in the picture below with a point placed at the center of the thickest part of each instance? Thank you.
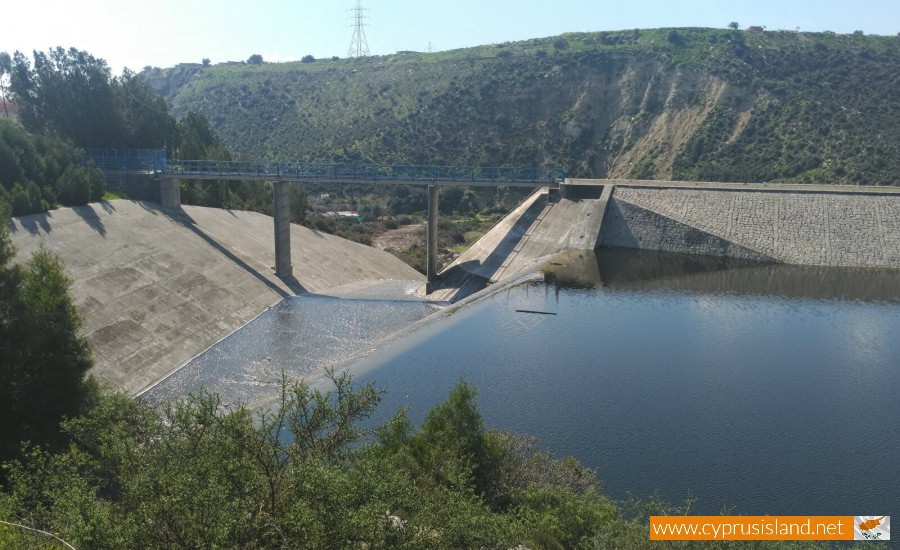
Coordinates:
(757, 389)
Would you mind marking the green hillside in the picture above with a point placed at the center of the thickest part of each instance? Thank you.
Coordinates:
(699, 104)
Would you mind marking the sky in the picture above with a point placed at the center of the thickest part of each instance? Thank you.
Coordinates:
(166, 32)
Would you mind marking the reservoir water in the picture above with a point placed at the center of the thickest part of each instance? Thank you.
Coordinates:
(757, 389)
(760, 389)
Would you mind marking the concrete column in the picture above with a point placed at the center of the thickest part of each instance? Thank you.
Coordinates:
(432, 236)
(170, 193)
(282, 215)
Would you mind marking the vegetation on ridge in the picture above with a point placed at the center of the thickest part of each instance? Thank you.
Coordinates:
(666, 103)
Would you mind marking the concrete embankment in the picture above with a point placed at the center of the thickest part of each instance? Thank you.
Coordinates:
(792, 224)
(156, 287)
(780, 223)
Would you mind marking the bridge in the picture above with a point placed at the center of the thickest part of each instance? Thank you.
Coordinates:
(169, 172)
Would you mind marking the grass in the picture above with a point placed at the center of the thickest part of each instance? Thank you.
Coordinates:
(114, 195)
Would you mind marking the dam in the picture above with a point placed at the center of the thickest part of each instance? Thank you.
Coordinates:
(157, 286)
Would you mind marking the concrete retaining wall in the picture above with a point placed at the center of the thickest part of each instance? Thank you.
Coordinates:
(778, 224)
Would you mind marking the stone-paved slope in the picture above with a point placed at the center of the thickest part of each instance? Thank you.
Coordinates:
(836, 227)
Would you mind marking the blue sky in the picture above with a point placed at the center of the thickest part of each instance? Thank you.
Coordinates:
(165, 32)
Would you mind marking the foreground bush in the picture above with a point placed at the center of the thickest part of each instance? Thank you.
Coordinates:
(306, 474)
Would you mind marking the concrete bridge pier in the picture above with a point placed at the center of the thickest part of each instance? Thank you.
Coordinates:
(282, 215)
(432, 237)
(170, 193)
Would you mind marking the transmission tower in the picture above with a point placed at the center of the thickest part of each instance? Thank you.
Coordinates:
(359, 46)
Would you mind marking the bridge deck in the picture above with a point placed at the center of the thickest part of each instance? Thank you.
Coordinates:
(148, 161)
(537, 183)
(362, 173)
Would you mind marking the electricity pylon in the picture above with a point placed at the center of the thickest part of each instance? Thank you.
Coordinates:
(359, 46)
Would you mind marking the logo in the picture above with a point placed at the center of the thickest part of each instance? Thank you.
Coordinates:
(871, 527)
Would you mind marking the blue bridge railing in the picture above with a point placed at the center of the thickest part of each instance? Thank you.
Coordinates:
(127, 160)
(149, 160)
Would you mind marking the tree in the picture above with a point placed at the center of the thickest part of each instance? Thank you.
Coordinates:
(47, 93)
(148, 124)
(206, 62)
(307, 59)
(255, 59)
(299, 204)
(674, 37)
(733, 25)
(26, 199)
(30, 167)
(78, 186)
(194, 139)
(44, 358)
(110, 112)
(5, 71)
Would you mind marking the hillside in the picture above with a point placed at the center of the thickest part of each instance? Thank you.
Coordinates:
(696, 104)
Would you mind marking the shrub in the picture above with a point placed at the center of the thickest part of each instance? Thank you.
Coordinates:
(26, 199)
(78, 186)
(561, 43)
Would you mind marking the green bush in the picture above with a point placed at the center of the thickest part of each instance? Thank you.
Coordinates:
(74, 186)
(26, 200)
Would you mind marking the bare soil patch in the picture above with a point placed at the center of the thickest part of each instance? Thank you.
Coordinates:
(402, 238)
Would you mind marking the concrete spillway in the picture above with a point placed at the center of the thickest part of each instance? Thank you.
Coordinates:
(542, 227)
(156, 286)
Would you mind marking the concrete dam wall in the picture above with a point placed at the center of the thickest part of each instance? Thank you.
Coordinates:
(788, 224)
(156, 287)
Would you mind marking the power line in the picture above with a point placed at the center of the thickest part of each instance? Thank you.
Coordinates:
(359, 46)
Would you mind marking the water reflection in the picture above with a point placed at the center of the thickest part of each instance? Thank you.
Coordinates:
(763, 389)
(627, 269)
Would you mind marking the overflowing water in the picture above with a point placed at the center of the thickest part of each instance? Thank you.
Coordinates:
(298, 337)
